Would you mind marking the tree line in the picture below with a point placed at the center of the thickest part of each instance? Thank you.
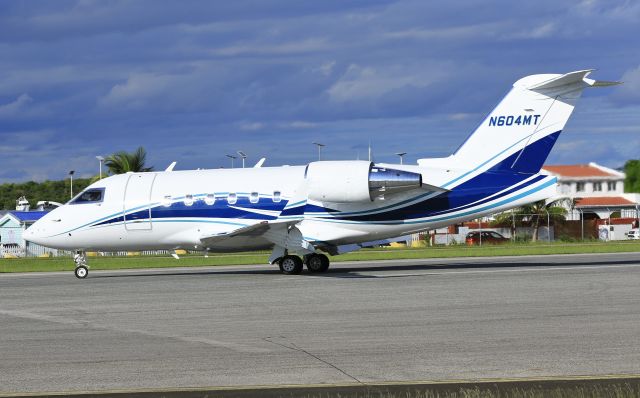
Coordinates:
(123, 162)
(60, 191)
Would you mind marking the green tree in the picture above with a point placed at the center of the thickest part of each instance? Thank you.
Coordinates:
(123, 162)
(533, 214)
(632, 179)
(56, 191)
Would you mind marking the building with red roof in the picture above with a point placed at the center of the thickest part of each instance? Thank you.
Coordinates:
(595, 190)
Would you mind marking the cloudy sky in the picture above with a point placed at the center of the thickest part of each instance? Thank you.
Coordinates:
(194, 80)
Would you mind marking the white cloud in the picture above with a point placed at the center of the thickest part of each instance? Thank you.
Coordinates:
(287, 48)
(251, 126)
(367, 82)
(14, 107)
(299, 124)
(539, 32)
(451, 32)
(630, 88)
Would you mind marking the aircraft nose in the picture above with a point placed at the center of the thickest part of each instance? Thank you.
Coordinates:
(35, 233)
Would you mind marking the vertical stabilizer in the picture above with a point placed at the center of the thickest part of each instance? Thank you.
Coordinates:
(526, 123)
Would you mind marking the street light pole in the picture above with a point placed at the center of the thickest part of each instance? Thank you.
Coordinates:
(100, 159)
(401, 154)
(319, 145)
(232, 159)
(243, 156)
(71, 177)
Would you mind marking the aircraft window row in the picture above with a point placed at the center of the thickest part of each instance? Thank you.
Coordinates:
(210, 199)
(188, 200)
(90, 196)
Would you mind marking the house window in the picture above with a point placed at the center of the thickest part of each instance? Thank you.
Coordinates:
(611, 186)
(232, 198)
(580, 187)
(276, 196)
(254, 197)
(597, 186)
(210, 199)
(188, 200)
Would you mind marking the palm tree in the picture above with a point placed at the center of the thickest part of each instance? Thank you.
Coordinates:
(530, 215)
(122, 162)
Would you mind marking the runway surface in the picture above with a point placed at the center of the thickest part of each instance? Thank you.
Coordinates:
(402, 320)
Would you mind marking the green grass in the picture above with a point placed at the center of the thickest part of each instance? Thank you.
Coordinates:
(521, 249)
(612, 390)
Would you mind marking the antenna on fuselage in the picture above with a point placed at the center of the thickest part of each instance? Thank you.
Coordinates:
(171, 166)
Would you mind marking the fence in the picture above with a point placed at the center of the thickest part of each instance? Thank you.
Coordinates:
(521, 227)
(33, 250)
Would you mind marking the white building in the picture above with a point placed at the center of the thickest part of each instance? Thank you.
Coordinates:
(595, 190)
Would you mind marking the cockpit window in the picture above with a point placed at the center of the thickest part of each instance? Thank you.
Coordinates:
(93, 195)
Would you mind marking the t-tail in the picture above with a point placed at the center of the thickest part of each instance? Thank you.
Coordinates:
(519, 133)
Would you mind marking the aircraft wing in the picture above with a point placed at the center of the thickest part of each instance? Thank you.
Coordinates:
(249, 231)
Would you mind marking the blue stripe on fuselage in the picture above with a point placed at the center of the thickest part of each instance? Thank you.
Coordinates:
(498, 178)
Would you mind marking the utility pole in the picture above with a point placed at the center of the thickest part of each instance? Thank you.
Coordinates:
(319, 145)
(232, 159)
(243, 156)
(71, 177)
(100, 159)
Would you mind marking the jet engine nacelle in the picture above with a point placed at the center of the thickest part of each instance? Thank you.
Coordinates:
(348, 181)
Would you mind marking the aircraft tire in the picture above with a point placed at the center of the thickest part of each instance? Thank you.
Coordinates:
(81, 272)
(290, 265)
(317, 263)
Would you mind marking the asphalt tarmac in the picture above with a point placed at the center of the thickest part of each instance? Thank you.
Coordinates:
(367, 322)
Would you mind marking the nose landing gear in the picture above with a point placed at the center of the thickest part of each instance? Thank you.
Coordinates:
(82, 269)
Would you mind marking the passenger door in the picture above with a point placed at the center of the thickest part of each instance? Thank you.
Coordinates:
(137, 201)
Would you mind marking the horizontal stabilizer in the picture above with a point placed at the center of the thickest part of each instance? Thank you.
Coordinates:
(571, 78)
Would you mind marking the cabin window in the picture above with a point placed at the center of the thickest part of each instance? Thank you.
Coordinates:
(210, 199)
(188, 200)
(166, 201)
(94, 195)
(254, 197)
(232, 198)
(276, 196)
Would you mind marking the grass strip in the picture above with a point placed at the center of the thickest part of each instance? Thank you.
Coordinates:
(388, 253)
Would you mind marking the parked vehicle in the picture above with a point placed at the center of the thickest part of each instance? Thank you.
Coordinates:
(634, 234)
(486, 237)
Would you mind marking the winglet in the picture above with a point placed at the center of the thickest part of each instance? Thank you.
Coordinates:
(171, 166)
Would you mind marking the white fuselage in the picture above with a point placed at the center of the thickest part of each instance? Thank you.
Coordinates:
(170, 210)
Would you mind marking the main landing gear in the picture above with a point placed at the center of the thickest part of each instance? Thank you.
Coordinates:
(292, 265)
(82, 269)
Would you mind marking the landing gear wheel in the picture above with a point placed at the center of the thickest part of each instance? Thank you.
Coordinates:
(290, 265)
(81, 272)
(317, 263)
(82, 269)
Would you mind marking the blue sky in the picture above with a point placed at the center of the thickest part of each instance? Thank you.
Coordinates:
(194, 80)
